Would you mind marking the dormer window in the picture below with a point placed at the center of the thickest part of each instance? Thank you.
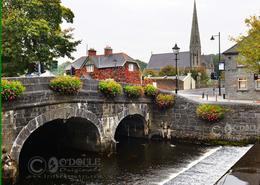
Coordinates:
(90, 68)
(130, 67)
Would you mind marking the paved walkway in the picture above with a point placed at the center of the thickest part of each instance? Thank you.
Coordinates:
(210, 96)
(210, 169)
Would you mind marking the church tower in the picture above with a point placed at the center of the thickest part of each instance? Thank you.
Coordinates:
(195, 47)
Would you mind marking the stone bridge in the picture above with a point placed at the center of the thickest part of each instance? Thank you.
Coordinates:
(39, 105)
(92, 121)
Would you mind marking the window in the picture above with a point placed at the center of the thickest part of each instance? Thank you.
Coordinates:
(242, 83)
(130, 67)
(257, 84)
(90, 68)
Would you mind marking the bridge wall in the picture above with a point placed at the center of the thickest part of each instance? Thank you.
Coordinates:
(241, 122)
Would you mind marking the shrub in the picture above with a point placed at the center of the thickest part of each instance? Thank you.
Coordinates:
(66, 84)
(11, 90)
(133, 91)
(211, 113)
(150, 90)
(110, 88)
(165, 100)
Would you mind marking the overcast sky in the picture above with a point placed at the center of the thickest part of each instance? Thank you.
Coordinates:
(139, 27)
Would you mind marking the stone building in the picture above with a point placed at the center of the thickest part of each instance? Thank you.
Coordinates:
(187, 59)
(118, 66)
(240, 84)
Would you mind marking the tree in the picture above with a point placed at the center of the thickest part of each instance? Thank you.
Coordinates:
(62, 67)
(168, 71)
(142, 64)
(248, 45)
(150, 72)
(32, 33)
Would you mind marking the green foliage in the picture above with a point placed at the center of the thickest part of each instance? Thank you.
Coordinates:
(32, 33)
(150, 90)
(165, 101)
(61, 68)
(110, 88)
(151, 72)
(211, 113)
(198, 73)
(66, 84)
(133, 91)
(11, 90)
(167, 71)
(142, 64)
(248, 45)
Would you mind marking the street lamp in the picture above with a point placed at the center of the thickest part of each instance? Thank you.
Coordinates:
(219, 71)
(176, 50)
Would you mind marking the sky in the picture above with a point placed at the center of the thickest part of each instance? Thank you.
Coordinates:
(141, 27)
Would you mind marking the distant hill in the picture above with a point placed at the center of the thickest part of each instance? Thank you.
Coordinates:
(142, 64)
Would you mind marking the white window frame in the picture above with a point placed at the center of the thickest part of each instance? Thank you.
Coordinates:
(131, 67)
(257, 84)
(90, 68)
(242, 79)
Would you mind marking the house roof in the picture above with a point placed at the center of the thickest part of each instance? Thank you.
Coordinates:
(231, 51)
(102, 61)
(77, 64)
(158, 61)
(208, 60)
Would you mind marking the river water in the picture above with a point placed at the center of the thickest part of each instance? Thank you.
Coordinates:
(135, 162)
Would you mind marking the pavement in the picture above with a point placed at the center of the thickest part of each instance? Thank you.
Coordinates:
(211, 95)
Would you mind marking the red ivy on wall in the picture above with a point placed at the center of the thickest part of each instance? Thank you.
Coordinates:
(119, 74)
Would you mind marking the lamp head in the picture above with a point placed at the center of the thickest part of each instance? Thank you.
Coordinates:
(175, 49)
(212, 38)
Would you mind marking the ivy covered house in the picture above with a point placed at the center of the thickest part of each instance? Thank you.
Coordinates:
(118, 66)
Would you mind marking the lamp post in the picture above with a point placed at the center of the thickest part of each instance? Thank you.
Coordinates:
(219, 71)
(176, 50)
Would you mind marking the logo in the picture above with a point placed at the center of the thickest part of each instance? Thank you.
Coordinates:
(37, 165)
(53, 165)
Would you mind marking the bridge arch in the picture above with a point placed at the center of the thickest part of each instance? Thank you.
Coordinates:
(64, 113)
(140, 111)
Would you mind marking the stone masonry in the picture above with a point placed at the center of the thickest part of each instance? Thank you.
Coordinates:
(39, 105)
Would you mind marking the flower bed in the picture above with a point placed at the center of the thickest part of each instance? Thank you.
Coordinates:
(11, 90)
(150, 90)
(165, 101)
(210, 113)
(66, 85)
(133, 91)
(110, 88)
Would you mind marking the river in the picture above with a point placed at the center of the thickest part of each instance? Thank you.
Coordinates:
(135, 162)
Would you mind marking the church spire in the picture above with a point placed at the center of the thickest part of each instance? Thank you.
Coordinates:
(195, 47)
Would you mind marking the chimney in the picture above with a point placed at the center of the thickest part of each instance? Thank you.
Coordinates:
(92, 52)
(108, 51)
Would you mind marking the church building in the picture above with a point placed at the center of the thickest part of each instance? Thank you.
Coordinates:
(187, 59)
